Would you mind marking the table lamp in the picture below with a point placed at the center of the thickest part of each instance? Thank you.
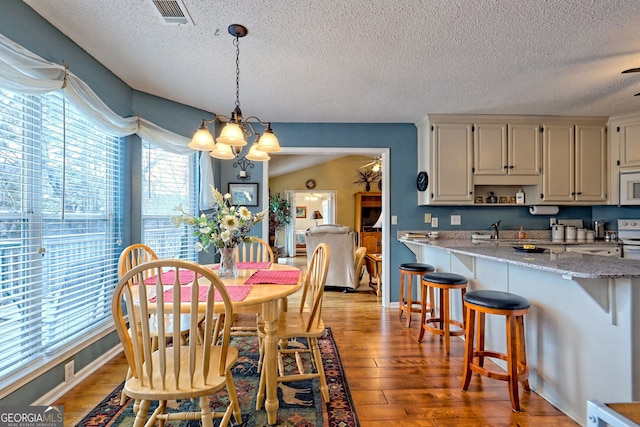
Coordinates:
(316, 215)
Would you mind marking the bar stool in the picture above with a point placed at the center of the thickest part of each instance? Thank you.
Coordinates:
(514, 307)
(445, 282)
(409, 270)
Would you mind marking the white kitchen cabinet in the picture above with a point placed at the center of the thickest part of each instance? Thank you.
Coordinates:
(574, 163)
(507, 149)
(624, 150)
(629, 137)
(591, 164)
(452, 163)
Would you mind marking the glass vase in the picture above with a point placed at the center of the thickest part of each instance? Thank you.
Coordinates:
(228, 267)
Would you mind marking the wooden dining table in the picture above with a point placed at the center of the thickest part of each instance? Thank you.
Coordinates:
(263, 298)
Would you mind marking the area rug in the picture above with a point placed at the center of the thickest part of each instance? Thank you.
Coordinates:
(301, 403)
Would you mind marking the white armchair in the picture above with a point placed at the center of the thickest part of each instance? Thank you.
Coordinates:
(345, 266)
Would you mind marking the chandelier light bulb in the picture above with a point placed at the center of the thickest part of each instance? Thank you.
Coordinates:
(222, 151)
(232, 135)
(257, 155)
(202, 139)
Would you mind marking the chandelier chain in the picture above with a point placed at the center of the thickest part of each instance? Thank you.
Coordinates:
(236, 42)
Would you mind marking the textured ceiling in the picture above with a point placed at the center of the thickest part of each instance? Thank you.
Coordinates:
(370, 60)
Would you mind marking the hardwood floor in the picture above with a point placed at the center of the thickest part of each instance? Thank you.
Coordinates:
(394, 380)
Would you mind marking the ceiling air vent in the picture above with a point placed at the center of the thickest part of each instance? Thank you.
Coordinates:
(172, 12)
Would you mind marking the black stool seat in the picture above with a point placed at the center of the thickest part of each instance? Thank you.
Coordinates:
(445, 278)
(417, 267)
(497, 299)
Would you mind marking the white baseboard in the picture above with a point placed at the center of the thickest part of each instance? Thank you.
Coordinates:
(64, 387)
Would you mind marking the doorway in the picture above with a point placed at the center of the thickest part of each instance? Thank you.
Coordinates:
(384, 154)
(310, 209)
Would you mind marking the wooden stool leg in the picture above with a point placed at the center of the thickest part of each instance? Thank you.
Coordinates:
(468, 347)
(446, 324)
(401, 294)
(480, 339)
(512, 362)
(409, 300)
(423, 312)
(432, 303)
(522, 353)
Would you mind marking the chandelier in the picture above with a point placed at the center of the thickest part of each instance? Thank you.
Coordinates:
(237, 129)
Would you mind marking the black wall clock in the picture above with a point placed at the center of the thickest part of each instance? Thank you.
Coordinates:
(311, 184)
(422, 182)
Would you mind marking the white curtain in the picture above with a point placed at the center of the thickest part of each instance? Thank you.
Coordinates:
(21, 71)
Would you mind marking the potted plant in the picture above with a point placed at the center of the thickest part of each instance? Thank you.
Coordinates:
(279, 216)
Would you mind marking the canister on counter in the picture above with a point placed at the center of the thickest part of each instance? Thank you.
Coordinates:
(570, 234)
(557, 233)
(591, 236)
(581, 234)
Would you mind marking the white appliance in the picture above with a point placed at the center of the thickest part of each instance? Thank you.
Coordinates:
(629, 235)
(630, 188)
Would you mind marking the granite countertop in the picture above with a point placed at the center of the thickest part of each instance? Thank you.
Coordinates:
(566, 263)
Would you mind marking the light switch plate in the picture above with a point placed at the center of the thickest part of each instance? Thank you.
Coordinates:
(427, 218)
(434, 222)
(456, 220)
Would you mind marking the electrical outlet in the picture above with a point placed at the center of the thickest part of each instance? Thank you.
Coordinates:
(552, 222)
(456, 220)
(434, 222)
(394, 219)
(69, 371)
(427, 218)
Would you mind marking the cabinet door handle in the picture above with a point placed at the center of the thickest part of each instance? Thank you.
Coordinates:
(579, 193)
(505, 167)
(511, 167)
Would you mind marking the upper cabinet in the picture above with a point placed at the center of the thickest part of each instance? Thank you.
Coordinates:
(554, 159)
(452, 154)
(507, 149)
(624, 150)
(575, 164)
(445, 153)
(629, 137)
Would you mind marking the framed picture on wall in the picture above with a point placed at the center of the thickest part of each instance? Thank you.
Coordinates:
(301, 211)
(244, 193)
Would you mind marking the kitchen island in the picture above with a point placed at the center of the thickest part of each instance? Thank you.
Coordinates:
(583, 327)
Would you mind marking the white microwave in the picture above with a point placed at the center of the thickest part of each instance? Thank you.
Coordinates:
(630, 188)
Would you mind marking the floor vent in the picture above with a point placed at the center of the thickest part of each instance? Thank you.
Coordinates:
(172, 12)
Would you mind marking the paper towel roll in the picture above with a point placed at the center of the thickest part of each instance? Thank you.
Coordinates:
(543, 210)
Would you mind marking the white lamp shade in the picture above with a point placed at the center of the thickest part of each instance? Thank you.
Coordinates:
(268, 142)
(222, 151)
(257, 155)
(378, 223)
(232, 135)
(202, 140)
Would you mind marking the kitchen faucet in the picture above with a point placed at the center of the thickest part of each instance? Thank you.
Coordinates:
(495, 230)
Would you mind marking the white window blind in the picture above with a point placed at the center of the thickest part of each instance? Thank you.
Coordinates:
(60, 202)
(168, 180)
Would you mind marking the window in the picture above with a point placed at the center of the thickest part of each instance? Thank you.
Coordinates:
(168, 180)
(60, 219)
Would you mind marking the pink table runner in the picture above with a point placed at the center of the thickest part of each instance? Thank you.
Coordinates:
(253, 265)
(280, 277)
(236, 293)
(167, 278)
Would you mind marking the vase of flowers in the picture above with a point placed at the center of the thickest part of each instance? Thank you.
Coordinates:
(223, 228)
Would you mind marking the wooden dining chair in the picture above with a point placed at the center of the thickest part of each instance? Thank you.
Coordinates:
(257, 250)
(131, 257)
(305, 322)
(174, 371)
